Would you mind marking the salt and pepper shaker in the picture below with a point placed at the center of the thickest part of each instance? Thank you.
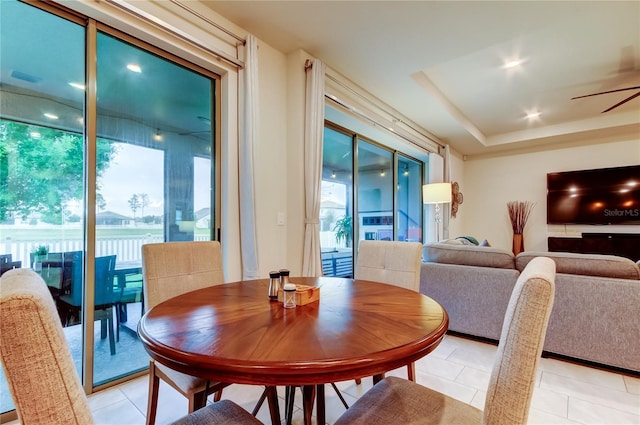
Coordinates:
(284, 277)
(280, 280)
(289, 295)
(274, 285)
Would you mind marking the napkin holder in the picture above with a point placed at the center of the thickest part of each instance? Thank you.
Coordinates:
(305, 294)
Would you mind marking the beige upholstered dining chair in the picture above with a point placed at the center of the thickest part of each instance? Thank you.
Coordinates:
(38, 366)
(394, 400)
(395, 263)
(170, 269)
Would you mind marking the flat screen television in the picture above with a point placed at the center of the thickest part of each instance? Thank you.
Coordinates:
(600, 196)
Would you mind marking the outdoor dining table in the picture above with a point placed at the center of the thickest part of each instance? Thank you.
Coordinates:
(233, 333)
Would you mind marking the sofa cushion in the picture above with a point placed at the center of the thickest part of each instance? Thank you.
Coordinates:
(481, 256)
(585, 264)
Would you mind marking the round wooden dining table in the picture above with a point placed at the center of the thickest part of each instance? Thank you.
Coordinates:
(233, 333)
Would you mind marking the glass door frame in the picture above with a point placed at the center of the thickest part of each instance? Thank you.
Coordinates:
(92, 27)
(355, 138)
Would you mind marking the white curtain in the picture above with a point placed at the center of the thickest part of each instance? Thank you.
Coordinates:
(314, 129)
(249, 129)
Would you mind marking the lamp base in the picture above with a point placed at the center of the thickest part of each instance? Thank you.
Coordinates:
(437, 219)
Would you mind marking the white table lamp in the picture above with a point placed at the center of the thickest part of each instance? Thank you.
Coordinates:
(436, 193)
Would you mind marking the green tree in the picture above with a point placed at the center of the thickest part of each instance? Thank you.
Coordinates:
(41, 169)
(144, 202)
(100, 202)
(134, 204)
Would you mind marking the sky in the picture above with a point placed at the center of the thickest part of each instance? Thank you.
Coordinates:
(136, 170)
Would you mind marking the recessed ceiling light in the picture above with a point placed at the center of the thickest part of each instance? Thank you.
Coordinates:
(134, 68)
(512, 63)
(533, 115)
(157, 136)
(51, 116)
(78, 86)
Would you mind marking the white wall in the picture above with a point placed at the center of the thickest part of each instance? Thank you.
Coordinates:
(270, 160)
(487, 183)
(491, 182)
(455, 227)
(294, 186)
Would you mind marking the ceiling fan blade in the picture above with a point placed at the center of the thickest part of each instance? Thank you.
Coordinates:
(605, 92)
(621, 102)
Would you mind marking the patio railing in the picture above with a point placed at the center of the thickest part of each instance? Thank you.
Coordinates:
(127, 248)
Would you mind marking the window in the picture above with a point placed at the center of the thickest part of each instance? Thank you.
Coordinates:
(382, 212)
(336, 204)
(409, 199)
(146, 156)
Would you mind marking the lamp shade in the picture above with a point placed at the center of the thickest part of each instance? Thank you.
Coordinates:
(436, 193)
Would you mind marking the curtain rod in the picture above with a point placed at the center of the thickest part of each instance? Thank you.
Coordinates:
(374, 122)
(168, 28)
(371, 119)
(209, 21)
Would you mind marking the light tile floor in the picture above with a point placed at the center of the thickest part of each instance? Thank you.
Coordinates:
(565, 393)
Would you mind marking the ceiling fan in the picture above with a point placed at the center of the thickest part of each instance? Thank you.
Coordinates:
(614, 91)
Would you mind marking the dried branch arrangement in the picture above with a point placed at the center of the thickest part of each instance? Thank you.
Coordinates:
(519, 212)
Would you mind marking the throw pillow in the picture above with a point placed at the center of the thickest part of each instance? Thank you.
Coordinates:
(468, 240)
(484, 243)
(452, 241)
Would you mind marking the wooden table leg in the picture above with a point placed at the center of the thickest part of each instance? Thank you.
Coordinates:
(320, 407)
(290, 396)
(378, 378)
(274, 409)
(308, 395)
(411, 372)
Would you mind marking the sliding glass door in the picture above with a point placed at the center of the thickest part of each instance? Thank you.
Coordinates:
(381, 201)
(409, 199)
(98, 158)
(336, 204)
(375, 192)
(156, 115)
(42, 151)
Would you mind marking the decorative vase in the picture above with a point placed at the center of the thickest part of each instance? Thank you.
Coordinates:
(518, 243)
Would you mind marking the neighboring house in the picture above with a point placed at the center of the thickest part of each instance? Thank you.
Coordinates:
(330, 211)
(203, 218)
(109, 218)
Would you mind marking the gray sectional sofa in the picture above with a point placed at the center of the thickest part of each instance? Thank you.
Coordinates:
(596, 313)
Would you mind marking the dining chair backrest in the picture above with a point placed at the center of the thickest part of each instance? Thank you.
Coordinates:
(521, 340)
(104, 274)
(71, 262)
(392, 262)
(7, 264)
(170, 269)
(37, 362)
